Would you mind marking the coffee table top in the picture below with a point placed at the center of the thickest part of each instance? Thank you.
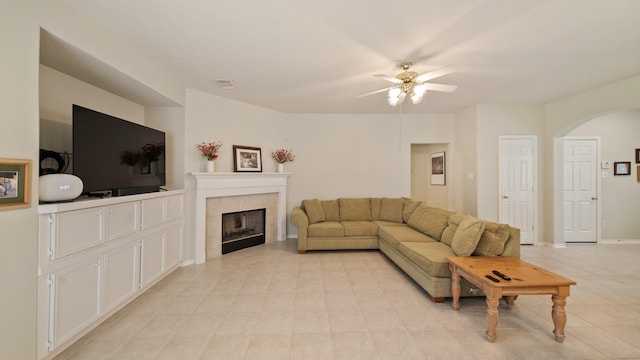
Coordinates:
(521, 272)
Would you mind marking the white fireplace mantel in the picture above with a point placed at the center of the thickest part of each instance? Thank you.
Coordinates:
(211, 185)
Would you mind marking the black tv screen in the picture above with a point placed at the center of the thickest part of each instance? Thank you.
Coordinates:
(112, 154)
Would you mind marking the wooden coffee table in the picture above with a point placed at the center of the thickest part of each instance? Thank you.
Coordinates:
(526, 279)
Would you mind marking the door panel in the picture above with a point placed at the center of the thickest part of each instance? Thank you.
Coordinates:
(517, 188)
(580, 191)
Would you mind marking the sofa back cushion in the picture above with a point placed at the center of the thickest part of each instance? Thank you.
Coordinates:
(314, 210)
(331, 210)
(409, 207)
(467, 236)
(493, 239)
(453, 223)
(376, 206)
(429, 220)
(391, 209)
(355, 209)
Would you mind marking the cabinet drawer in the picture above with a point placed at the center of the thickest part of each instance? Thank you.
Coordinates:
(175, 207)
(152, 212)
(122, 220)
(77, 230)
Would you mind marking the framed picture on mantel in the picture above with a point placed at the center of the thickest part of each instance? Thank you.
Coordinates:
(247, 159)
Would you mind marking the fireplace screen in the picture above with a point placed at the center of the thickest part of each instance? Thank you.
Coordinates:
(242, 229)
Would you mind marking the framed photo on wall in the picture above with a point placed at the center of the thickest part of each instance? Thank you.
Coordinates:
(15, 179)
(637, 156)
(247, 159)
(622, 168)
(438, 168)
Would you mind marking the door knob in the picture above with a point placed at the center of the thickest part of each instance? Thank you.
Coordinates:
(505, 196)
(594, 198)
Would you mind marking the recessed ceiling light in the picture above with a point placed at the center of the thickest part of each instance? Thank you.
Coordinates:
(225, 84)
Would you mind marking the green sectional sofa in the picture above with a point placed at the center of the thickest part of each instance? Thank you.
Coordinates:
(416, 237)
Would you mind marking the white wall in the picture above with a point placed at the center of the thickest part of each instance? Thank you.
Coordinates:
(171, 121)
(19, 140)
(561, 116)
(494, 121)
(465, 186)
(620, 195)
(421, 187)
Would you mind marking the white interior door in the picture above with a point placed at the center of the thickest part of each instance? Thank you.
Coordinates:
(517, 174)
(580, 190)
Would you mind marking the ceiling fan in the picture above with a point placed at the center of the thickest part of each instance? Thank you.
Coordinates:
(409, 82)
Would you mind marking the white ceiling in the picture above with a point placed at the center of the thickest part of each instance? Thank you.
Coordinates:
(316, 56)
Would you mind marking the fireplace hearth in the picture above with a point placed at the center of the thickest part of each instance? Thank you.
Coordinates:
(243, 229)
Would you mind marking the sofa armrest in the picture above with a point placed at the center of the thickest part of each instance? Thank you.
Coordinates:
(300, 220)
(512, 246)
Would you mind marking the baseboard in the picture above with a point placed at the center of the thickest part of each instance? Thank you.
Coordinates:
(188, 262)
(619, 241)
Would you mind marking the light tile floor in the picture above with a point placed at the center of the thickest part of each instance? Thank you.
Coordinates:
(269, 302)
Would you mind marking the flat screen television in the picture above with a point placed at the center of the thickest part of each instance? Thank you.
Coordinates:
(112, 154)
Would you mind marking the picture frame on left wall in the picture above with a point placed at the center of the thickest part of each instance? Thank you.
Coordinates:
(438, 168)
(15, 181)
(247, 159)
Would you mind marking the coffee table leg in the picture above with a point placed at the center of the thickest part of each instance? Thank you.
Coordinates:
(492, 318)
(455, 290)
(559, 316)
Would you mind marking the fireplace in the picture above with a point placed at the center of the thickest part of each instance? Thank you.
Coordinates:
(242, 229)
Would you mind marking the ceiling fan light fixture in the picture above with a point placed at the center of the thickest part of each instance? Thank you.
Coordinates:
(417, 93)
(394, 96)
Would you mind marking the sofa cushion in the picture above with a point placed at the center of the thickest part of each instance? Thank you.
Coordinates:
(467, 236)
(314, 211)
(432, 257)
(394, 235)
(360, 228)
(376, 205)
(450, 230)
(429, 220)
(355, 209)
(331, 210)
(391, 209)
(492, 240)
(326, 229)
(408, 208)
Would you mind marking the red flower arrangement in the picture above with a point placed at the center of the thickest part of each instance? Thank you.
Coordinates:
(283, 155)
(210, 150)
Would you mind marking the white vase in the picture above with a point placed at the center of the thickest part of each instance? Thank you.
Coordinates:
(210, 166)
(281, 167)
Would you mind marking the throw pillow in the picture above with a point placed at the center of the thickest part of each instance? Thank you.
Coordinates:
(454, 222)
(467, 236)
(429, 220)
(409, 207)
(493, 239)
(314, 211)
(391, 210)
(331, 210)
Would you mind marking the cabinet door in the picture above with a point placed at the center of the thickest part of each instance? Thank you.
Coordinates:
(77, 230)
(151, 258)
(173, 247)
(122, 219)
(121, 275)
(75, 299)
(175, 207)
(152, 212)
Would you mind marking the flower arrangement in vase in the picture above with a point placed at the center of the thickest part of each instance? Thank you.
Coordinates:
(210, 151)
(282, 156)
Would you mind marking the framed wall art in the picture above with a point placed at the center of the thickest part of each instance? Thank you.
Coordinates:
(15, 180)
(637, 156)
(438, 168)
(622, 168)
(247, 159)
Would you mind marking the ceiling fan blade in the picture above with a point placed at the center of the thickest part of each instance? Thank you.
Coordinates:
(434, 74)
(374, 92)
(440, 87)
(388, 78)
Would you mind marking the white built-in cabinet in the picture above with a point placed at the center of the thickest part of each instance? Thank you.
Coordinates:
(95, 256)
